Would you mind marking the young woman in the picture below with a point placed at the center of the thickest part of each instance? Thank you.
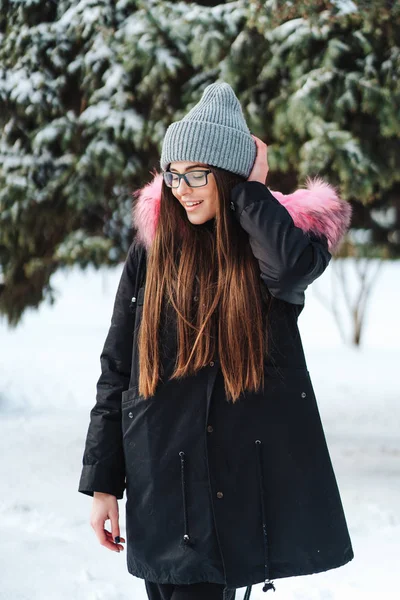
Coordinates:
(205, 410)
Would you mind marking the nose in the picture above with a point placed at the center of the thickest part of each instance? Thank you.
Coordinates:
(186, 187)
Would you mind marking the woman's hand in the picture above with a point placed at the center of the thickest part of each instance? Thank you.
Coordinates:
(260, 168)
(105, 506)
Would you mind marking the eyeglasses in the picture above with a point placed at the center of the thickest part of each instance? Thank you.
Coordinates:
(193, 178)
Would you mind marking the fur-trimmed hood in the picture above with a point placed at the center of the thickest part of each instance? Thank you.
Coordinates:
(316, 209)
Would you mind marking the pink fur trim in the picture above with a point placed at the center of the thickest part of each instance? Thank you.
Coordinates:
(146, 209)
(316, 209)
(319, 210)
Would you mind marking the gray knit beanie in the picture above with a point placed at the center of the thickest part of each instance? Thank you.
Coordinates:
(213, 132)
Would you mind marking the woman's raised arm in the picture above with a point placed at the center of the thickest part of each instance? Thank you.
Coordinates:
(289, 258)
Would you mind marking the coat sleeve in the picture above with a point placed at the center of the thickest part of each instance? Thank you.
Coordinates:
(289, 258)
(103, 459)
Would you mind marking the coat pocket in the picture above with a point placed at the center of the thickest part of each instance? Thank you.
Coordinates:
(130, 397)
(131, 412)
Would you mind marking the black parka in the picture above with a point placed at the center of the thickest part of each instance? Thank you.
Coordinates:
(218, 492)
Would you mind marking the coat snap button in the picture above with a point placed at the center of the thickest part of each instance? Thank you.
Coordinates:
(220, 495)
(303, 394)
(130, 415)
(212, 363)
(210, 428)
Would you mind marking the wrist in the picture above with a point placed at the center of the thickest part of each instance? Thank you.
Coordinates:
(258, 178)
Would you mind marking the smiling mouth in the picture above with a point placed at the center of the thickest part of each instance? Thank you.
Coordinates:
(191, 204)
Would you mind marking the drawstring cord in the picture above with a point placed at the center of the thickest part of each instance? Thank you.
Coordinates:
(247, 594)
(268, 584)
(186, 537)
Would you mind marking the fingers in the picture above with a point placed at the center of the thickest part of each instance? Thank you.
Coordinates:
(260, 167)
(259, 142)
(110, 536)
(112, 540)
(103, 509)
(106, 538)
(114, 518)
(100, 532)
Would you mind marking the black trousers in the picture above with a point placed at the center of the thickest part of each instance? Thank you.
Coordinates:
(194, 591)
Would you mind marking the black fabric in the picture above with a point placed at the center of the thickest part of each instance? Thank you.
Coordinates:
(289, 259)
(202, 519)
(104, 458)
(196, 591)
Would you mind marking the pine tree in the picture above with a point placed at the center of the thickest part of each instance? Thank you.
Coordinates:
(81, 112)
(88, 88)
(330, 93)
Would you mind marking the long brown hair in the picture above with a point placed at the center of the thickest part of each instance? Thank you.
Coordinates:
(213, 263)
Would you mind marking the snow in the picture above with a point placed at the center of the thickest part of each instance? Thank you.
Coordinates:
(85, 12)
(104, 116)
(134, 26)
(98, 112)
(48, 370)
(283, 31)
(164, 58)
(19, 85)
(385, 217)
(17, 181)
(48, 134)
(114, 77)
(98, 53)
(315, 79)
(345, 7)
(25, 86)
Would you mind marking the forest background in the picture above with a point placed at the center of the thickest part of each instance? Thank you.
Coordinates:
(88, 89)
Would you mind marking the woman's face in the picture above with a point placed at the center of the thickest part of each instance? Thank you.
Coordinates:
(207, 195)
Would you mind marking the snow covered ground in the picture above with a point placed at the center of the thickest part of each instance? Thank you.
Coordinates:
(48, 370)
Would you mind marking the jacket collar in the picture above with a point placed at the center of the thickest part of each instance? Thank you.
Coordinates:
(316, 209)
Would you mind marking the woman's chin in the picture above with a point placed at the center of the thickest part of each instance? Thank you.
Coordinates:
(199, 219)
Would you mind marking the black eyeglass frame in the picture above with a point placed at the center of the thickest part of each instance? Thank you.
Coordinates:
(180, 175)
